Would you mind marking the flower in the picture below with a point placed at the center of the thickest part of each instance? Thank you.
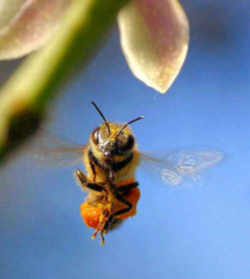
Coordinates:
(154, 34)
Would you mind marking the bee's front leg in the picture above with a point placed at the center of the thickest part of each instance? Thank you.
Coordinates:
(110, 174)
(84, 183)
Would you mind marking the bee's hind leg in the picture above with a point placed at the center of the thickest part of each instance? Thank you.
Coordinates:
(101, 227)
(123, 190)
(83, 182)
(123, 200)
(119, 195)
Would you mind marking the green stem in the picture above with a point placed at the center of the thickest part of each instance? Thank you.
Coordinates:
(25, 97)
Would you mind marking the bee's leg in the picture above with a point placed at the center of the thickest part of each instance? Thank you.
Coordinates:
(102, 238)
(80, 177)
(96, 187)
(111, 175)
(121, 199)
(83, 182)
(119, 194)
(93, 170)
(101, 227)
(93, 236)
(123, 190)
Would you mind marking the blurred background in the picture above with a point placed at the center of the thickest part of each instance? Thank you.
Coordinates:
(195, 232)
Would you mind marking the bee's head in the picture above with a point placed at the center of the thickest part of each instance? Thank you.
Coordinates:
(112, 139)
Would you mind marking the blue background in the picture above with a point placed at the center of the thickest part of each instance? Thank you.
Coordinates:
(197, 232)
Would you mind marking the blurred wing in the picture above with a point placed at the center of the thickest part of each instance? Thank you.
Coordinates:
(175, 167)
(48, 150)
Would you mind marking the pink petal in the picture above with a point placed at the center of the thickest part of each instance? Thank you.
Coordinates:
(25, 25)
(154, 38)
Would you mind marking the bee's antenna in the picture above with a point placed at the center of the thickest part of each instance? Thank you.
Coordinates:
(102, 116)
(128, 123)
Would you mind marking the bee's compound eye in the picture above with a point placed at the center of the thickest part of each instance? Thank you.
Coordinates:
(130, 142)
(95, 136)
(128, 145)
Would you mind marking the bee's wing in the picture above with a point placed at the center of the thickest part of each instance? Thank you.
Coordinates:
(180, 165)
(49, 150)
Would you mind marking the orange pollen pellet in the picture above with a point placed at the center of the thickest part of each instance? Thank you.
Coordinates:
(91, 215)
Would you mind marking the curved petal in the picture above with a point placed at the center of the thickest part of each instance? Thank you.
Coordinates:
(7, 11)
(25, 25)
(154, 37)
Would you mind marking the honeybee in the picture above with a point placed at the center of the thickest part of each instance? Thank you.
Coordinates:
(111, 158)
